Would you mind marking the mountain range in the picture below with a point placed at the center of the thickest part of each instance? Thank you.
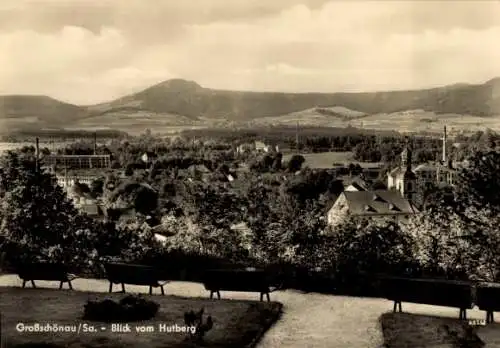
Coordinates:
(182, 103)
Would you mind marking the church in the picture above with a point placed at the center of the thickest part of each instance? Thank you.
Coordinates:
(412, 181)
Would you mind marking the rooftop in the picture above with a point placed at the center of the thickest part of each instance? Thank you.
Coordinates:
(380, 202)
(78, 161)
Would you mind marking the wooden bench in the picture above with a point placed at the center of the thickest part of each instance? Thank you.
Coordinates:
(45, 271)
(244, 280)
(435, 292)
(488, 299)
(122, 273)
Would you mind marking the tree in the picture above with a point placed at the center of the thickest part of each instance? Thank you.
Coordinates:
(97, 188)
(284, 229)
(81, 189)
(211, 205)
(129, 170)
(457, 233)
(37, 216)
(213, 209)
(436, 197)
(267, 162)
(436, 238)
(310, 184)
(146, 200)
(132, 194)
(378, 185)
(355, 169)
(295, 163)
(277, 163)
(336, 187)
(478, 184)
(484, 239)
(361, 247)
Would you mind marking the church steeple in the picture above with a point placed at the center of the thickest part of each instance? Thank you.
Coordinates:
(406, 156)
(407, 185)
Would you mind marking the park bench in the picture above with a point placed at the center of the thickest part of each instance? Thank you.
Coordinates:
(122, 273)
(244, 280)
(488, 299)
(435, 292)
(45, 271)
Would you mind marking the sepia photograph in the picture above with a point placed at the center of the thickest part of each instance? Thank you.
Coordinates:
(249, 174)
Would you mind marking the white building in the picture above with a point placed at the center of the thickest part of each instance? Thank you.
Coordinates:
(68, 181)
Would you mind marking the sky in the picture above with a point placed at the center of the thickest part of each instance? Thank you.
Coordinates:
(92, 51)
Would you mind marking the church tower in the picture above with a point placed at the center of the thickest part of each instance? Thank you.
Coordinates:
(408, 183)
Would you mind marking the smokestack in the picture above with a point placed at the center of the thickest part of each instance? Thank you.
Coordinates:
(297, 137)
(95, 143)
(37, 153)
(444, 145)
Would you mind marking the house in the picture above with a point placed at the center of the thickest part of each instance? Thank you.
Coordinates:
(257, 146)
(148, 157)
(262, 147)
(356, 184)
(162, 232)
(92, 209)
(242, 148)
(68, 180)
(245, 232)
(87, 205)
(372, 172)
(355, 187)
(370, 204)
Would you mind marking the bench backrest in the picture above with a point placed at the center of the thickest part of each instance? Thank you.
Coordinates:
(488, 296)
(42, 271)
(132, 274)
(236, 280)
(438, 292)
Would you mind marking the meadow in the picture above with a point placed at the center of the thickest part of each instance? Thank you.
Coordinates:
(325, 160)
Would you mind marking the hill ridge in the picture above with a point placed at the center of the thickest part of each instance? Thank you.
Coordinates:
(188, 101)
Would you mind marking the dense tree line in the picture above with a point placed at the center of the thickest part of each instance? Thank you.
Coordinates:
(311, 139)
(61, 135)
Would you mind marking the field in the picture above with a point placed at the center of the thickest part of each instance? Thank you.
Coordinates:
(236, 323)
(136, 122)
(404, 121)
(325, 160)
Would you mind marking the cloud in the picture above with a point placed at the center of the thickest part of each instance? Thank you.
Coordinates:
(36, 62)
(93, 51)
(341, 45)
(139, 19)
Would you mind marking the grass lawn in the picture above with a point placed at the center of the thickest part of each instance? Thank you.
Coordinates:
(404, 330)
(236, 323)
(325, 160)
